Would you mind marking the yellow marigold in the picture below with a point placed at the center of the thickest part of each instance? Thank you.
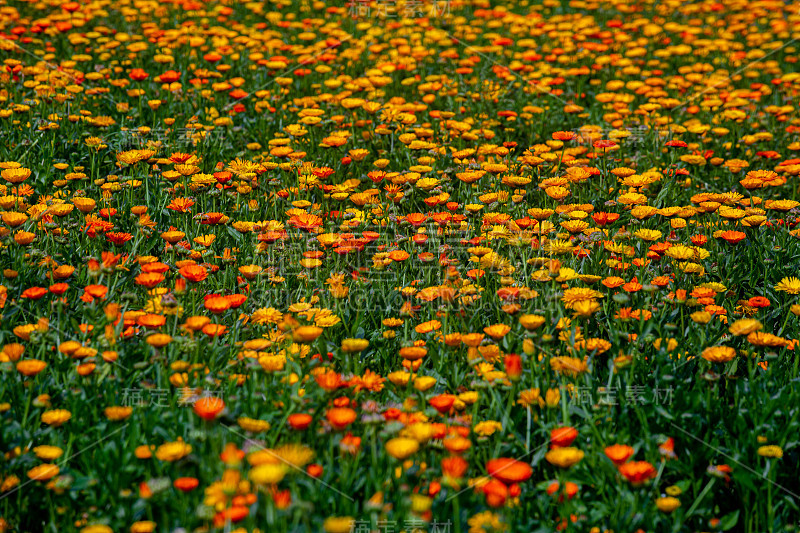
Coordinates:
(48, 453)
(56, 417)
(173, 451)
(402, 448)
(487, 427)
(268, 474)
(667, 504)
(43, 472)
(338, 524)
(745, 326)
(253, 425)
(718, 354)
(564, 457)
(116, 413)
(771, 451)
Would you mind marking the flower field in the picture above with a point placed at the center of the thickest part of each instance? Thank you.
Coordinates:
(400, 266)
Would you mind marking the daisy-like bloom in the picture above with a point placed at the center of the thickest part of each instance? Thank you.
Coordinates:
(564, 457)
(771, 451)
(531, 397)
(181, 205)
(789, 284)
(268, 474)
(745, 326)
(508, 470)
(48, 453)
(732, 237)
(131, 157)
(173, 451)
(667, 504)
(43, 472)
(760, 338)
(15, 175)
(56, 417)
(718, 354)
(579, 294)
(570, 366)
(638, 472)
(339, 524)
(619, 453)
(402, 447)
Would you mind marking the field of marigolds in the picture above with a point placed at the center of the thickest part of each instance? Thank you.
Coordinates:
(395, 266)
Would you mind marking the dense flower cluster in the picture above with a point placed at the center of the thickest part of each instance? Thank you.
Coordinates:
(441, 266)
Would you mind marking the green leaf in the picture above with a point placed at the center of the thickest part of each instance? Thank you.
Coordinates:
(729, 521)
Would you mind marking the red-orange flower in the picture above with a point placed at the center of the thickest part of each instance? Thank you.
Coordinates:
(209, 407)
(340, 417)
(193, 273)
(299, 421)
(638, 472)
(619, 453)
(508, 470)
(563, 436)
(442, 402)
(186, 484)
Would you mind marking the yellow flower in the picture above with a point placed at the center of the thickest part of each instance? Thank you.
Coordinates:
(48, 453)
(771, 451)
(402, 448)
(488, 427)
(116, 413)
(253, 425)
(531, 322)
(564, 457)
(56, 417)
(531, 397)
(339, 524)
(354, 345)
(173, 451)
(667, 504)
(268, 474)
(718, 354)
(306, 333)
(789, 284)
(15, 175)
(423, 383)
(43, 472)
(145, 526)
(97, 528)
(745, 326)
(552, 397)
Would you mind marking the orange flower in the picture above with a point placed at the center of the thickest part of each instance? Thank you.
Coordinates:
(151, 321)
(496, 493)
(563, 436)
(454, 469)
(508, 470)
(413, 353)
(215, 330)
(96, 291)
(193, 273)
(340, 417)
(442, 402)
(209, 407)
(149, 279)
(306, 333)
(305, 221)
(299, 421)
(216, 304)
(497, 331)
(186, 484)
(638, 472)
(732, 237)
(619, 453)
